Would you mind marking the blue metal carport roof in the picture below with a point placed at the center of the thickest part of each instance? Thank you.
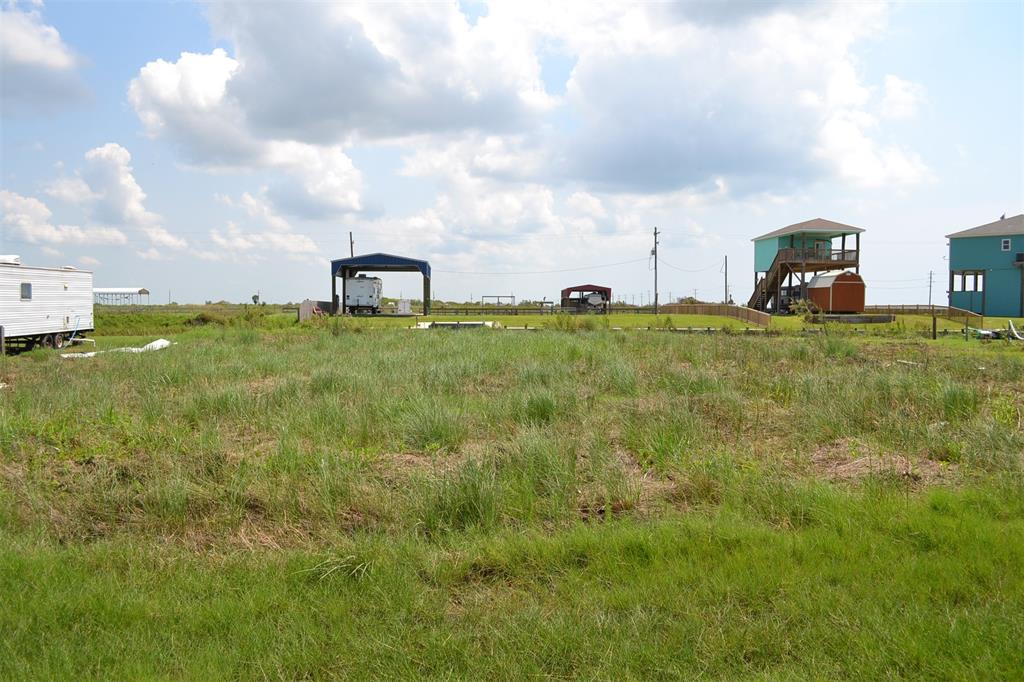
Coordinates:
(381, 262)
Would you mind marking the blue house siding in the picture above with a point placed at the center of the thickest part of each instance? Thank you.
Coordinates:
(765, 249)
(1003, 280)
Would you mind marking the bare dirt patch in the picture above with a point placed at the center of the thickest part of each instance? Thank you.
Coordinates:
(849, 459)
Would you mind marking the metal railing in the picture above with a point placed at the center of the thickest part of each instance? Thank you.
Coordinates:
(959, 315)
(722, 309)
(818, 255)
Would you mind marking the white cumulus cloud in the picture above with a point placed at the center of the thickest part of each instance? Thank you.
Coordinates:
(30, 219)
(39, 70)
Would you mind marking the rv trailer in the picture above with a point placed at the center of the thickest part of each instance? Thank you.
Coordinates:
(43, 306)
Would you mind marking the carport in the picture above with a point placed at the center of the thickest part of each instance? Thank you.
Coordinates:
(376, 262)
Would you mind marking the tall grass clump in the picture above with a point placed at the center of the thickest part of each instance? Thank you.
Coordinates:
(467, 498)
(541, 408)
(433, 426)
(538, 476)
(566, 322)
(837, 347)
(959, 402)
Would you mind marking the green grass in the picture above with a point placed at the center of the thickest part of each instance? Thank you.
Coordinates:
(358, 501)
(723, 595)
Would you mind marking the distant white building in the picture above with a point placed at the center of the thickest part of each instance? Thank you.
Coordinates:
(120, 295)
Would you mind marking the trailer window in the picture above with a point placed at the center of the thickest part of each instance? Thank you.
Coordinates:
(1005, 245)
(26, 291)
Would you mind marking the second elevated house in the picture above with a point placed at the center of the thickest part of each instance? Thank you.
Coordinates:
(986, 268)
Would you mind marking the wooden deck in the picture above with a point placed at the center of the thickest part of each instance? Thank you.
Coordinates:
(794, 261)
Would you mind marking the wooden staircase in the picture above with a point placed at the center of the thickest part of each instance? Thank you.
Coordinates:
(767, 287)
(797, 260)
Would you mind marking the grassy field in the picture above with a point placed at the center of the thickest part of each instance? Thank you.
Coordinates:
(164, 320)
(362, 502)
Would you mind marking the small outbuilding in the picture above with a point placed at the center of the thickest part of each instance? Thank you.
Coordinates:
(840, 292)
(589, 298)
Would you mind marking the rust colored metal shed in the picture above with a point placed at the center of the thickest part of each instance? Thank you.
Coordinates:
(589, 298)
(841, 292)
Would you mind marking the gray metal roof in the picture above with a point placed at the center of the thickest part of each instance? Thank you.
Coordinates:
(815, 226)
(1006, 226)
(120, 290)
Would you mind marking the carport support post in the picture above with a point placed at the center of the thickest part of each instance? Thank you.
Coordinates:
(344, 290)
(426, 296)
(334, 293)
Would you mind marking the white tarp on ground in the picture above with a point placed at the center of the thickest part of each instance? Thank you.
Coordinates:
(159, 344)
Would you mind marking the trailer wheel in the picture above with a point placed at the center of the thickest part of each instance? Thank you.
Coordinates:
(47, 341)
(58, 340)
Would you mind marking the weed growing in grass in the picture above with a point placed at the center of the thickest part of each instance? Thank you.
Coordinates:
(1006, 412)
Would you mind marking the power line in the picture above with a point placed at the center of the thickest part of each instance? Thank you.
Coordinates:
(542, 272)
(664, 262)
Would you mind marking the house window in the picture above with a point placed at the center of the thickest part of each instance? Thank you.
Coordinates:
(969, 281)
(26, 291)
(1006, 245)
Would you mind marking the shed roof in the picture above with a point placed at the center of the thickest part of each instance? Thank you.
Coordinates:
(380, 262)
(607, 291)
(826, 280)
(813, 226)
(1005, 226)
(120, 290)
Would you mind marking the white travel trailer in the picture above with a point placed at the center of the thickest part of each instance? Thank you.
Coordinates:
(363, 294)
(43, 306)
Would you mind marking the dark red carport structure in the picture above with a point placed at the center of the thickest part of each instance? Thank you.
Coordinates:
(580, 302)
(377, 262)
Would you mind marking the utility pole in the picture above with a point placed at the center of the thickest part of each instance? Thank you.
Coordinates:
(931, 274)
(351, 246)
(654, 252)
(726, 301)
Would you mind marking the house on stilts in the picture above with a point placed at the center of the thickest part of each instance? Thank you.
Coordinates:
(786, 259)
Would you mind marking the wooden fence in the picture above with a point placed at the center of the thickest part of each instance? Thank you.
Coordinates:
(748, 315)
(958, 315)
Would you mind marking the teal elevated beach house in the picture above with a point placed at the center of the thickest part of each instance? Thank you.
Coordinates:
(786, 259)
(986, 268)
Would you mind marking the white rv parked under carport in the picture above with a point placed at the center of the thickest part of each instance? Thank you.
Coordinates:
(43, 306)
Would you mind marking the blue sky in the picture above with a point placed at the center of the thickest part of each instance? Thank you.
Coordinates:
(210, 151)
